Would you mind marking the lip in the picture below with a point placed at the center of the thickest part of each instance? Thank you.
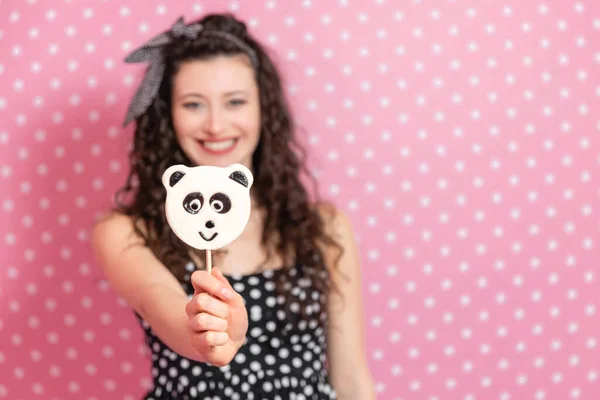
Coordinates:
(208, 239)
(218, 152)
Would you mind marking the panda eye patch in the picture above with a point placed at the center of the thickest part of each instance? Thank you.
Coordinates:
(220, 203)
(193, 202)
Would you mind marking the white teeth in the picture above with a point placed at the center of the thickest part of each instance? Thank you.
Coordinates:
(218, 146)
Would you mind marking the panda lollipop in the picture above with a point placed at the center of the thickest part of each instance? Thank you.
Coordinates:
(207, 207)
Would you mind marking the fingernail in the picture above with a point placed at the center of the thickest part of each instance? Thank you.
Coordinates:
(226, 293)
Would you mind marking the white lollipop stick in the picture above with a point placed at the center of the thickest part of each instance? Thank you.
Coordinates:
(209, 262)
(207, 207)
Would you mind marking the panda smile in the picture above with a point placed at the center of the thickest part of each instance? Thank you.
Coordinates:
(206, 238)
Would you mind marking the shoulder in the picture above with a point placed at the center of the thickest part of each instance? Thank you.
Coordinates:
(111, 219)
(342, 253)
(131, 268)
(336, 222)
(109, 224)
(112, 231)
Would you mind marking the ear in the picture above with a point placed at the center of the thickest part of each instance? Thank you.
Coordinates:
(241, 174)
(172, 175)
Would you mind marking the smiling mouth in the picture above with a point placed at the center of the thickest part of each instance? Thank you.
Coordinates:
(208, 239)
(218, 146)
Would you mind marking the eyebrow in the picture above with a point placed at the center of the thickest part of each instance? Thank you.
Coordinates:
(227, 94)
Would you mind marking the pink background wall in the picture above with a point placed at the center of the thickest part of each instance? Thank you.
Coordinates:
(462, 137)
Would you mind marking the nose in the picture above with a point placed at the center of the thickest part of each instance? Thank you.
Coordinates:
(210, 224)
(215, 123)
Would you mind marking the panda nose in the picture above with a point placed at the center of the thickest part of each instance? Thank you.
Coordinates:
(210, 224)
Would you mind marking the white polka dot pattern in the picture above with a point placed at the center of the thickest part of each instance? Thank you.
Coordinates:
(460, 137)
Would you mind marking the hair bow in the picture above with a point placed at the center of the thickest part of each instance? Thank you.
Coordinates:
(152, 51)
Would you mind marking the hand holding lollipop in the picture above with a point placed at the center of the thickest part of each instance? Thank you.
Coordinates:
(208, 207)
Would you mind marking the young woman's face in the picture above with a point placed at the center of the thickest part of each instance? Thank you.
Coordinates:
(216, 111)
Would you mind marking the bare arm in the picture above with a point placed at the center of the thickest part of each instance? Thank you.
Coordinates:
(154, 293)
(350, 374)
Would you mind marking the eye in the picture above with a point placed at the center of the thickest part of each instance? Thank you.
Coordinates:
(237, 102)
(220, 203)
(193, 202)
(192, 105)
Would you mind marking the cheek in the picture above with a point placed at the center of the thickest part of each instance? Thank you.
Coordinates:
(249, 121)
(184, 123)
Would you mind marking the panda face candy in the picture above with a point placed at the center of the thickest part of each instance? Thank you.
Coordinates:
(207, 207)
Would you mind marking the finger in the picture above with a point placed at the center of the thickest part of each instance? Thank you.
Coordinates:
(209, 338)
(216, 338)
(204, 282)
(219, 275)
(204, 302)
(237, 300)
(206, 322)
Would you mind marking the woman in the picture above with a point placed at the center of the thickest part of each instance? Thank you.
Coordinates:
(280, 316)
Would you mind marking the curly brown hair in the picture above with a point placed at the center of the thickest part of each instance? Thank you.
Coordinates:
(293, 228)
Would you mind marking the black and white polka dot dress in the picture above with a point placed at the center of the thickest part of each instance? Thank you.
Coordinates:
(279, 360)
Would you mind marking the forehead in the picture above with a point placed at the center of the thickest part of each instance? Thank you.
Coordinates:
(220, 74)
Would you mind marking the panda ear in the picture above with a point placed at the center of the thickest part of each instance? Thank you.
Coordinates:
(241, 175)
(175, 177)
(172, 175)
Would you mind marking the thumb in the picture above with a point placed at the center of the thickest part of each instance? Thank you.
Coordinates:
(196, 278)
